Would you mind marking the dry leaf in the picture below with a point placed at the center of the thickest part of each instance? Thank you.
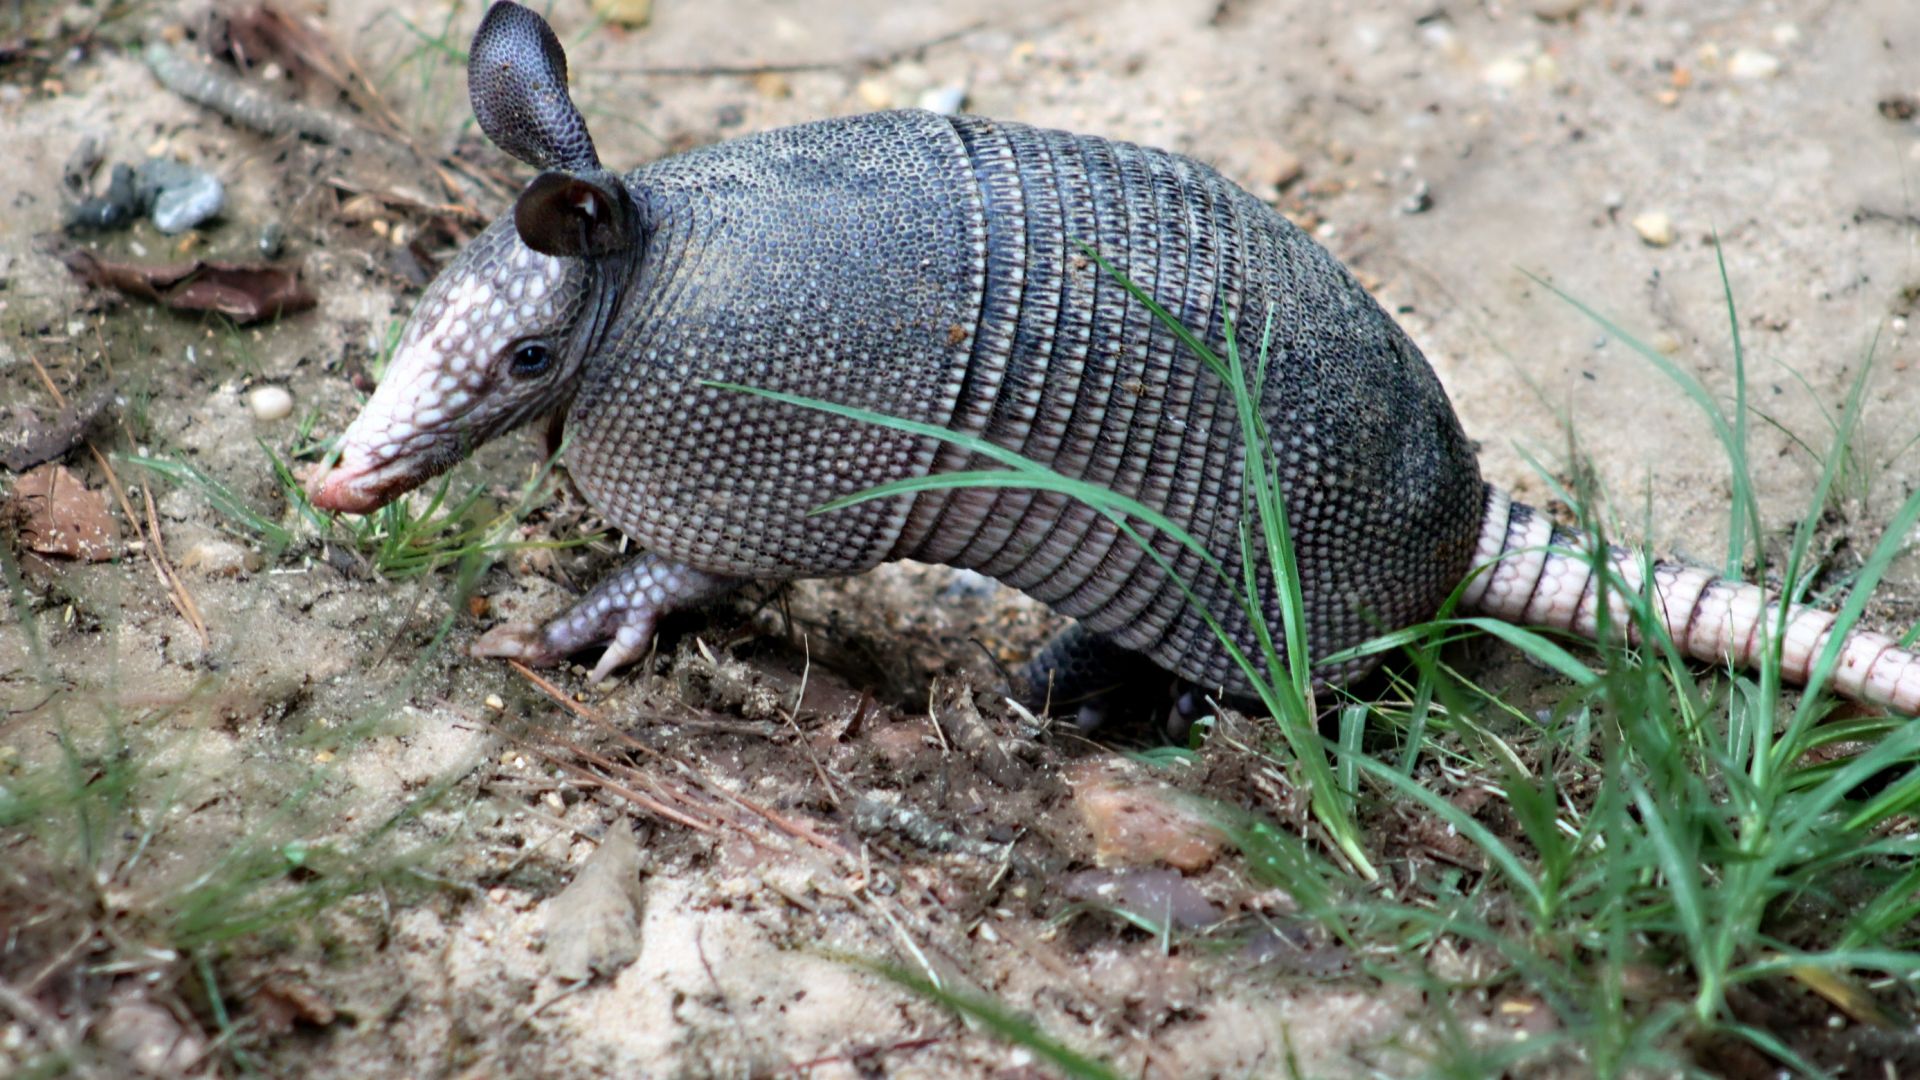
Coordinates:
(243, 292)
(57, 515)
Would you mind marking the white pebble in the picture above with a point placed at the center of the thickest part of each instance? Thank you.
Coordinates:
(1506, 72)
(270, 402)
(1753, 65)
(945, 100)
(1654, 227)
(215, 557)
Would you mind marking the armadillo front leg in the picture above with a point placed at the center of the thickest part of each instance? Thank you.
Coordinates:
(621, 611)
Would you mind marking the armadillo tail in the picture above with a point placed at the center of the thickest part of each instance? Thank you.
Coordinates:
(1530, 571)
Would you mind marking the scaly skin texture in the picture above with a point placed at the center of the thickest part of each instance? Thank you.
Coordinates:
(931, 268)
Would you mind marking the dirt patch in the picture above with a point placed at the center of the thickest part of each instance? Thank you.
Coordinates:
(310, 787)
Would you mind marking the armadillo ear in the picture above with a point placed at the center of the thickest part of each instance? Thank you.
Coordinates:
(517, 80)
(576, 216)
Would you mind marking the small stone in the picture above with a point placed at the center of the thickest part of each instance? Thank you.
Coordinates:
(360, 209)
(149, 1038)
(876, 93)
(945, 100)
(1654, 227)
(1506, 72)
(773, 85)
(1753, 65)
(593, 925)
(177, 196)
(1786, 35)
(114, 210)
(1136, 823)
(270, 402)
(496, 703)
(273, 237)
(1152, 893)
(1419, 200)
(219, 557)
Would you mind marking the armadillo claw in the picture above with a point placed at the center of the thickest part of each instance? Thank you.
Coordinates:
(516, 641)
(620, 613)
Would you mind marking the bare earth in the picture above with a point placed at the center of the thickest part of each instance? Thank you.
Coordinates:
(1454, 155)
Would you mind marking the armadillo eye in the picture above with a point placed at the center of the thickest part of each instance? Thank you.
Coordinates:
(530, 358)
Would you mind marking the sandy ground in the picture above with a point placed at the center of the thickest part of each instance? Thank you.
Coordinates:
(1454, 155)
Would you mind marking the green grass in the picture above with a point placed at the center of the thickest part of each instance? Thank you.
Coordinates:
(1704, 830)
(400, 540)
(127, 842)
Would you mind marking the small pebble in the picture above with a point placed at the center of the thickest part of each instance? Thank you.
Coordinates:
(178, 196)
(772, 84)
(1419, 200)
(877, 94)
(1654, 227)
(217, 557)
(1753, 65)
(945, 100)
(273, 237)
(1506, 72)
(114, 210)
(270, 402)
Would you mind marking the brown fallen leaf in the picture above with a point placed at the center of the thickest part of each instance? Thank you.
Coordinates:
(243, 292)
(57, 515)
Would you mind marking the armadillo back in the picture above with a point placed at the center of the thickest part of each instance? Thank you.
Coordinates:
(928, 267)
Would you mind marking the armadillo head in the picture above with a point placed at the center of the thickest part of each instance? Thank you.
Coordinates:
(490, 345)
(502, 334)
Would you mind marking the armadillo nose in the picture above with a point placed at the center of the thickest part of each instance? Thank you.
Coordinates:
(341, 490)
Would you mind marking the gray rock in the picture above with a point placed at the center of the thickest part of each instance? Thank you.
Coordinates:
(114, 210)
(178, 196)
(593, 925)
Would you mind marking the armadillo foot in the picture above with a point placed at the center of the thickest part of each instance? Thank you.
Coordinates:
(621, 613)
(1100, 681)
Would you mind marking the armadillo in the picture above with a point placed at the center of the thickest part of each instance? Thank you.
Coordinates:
(935, 268)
